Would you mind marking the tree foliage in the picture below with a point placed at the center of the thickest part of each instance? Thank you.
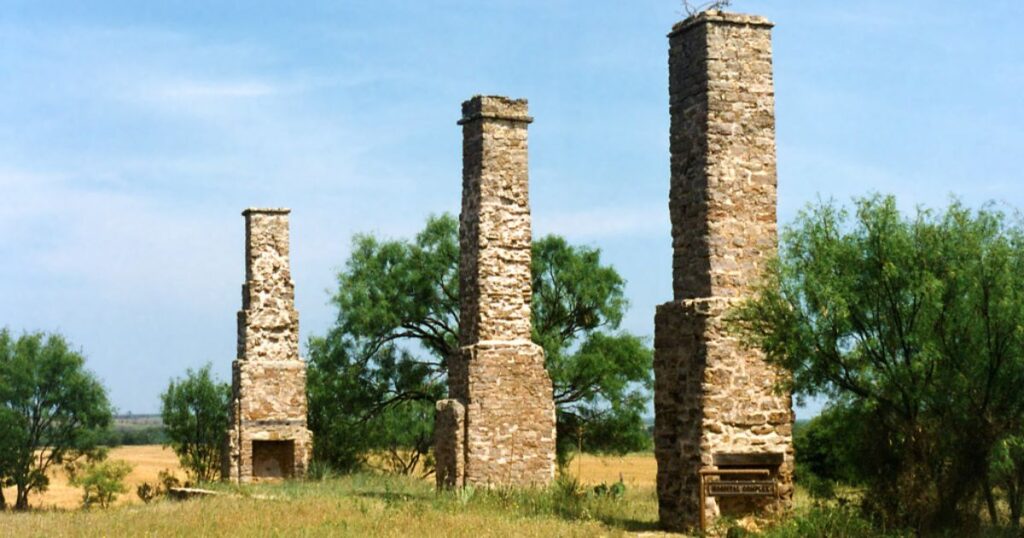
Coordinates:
(51, 410)
(374, 378)
(913, 326)
(195, 416)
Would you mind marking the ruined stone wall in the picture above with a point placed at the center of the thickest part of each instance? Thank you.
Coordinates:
(268, 377)
(506, 432)
(712, 394)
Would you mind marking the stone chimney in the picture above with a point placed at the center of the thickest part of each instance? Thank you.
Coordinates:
(498, 427)
(715, 402)
(267, 437)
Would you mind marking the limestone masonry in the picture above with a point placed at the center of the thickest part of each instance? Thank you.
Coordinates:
(267, 436)
(498, 427)
(714, 397)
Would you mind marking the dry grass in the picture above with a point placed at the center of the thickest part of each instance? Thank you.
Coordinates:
(635, 470)
(356, 505)
(148, 461)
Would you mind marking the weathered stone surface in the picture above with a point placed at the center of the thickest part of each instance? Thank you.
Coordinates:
(713, 395)
(499, 426)
(268, 436)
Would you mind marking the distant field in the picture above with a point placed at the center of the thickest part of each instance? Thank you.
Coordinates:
(148, 460)
(637, 471)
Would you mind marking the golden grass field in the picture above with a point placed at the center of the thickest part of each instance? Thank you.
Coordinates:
(148, 461)
(356, 505)
(636, 470)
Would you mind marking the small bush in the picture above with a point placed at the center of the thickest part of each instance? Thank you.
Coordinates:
(613, 491)
(568, 496)
(101, 482)
(147, 492)
(320, 470)
(165, 480)
(168, 480)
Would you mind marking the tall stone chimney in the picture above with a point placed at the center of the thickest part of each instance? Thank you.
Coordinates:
(498, 427)
(715, 400)
(267, 437)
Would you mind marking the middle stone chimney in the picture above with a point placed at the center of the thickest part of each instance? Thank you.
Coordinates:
(498, 427)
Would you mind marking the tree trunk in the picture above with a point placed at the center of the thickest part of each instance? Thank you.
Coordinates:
(21, 502)
(990, 501)
(1013, 495)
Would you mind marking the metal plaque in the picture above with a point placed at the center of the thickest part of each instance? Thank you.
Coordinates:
(740, 488)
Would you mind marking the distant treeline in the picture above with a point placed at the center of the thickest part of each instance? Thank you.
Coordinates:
(134, 430)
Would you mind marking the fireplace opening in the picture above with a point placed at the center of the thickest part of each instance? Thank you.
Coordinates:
(273, 459)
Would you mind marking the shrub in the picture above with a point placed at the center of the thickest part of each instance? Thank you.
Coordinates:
(612, 491)
(147, 492)
(101, 481)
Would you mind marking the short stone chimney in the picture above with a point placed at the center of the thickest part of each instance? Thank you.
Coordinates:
(267, 437)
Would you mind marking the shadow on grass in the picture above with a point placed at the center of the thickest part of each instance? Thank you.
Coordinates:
(630, 525)
(395, 496)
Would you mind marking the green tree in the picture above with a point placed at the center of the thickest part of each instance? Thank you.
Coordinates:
(11, 437)
(195, 416)
(374, 378)
(52, 409)
(828, 445)
(914, 326)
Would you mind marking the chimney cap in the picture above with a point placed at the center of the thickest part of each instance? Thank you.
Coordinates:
(719, 17)
(266, 211)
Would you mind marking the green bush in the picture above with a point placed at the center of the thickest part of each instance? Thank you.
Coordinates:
(101, 481)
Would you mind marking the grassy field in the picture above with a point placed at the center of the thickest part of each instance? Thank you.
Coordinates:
(636, 470)
(359, 505)
(368, 504)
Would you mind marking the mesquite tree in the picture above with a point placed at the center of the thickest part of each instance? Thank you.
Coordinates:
(374, 378)
(52, 410)
(913, 327)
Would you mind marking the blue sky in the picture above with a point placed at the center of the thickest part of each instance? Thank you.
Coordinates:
(132, 134)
